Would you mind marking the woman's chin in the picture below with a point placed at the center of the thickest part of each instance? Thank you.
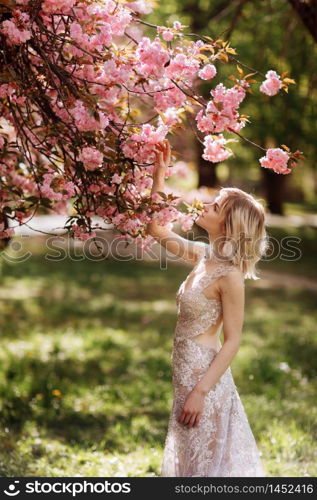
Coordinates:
(199, 222)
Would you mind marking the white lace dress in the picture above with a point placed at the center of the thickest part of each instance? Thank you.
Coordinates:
(222, 444)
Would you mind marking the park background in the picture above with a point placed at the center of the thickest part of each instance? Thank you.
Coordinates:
(85, 383)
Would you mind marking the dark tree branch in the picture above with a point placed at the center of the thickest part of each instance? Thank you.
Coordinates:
(236, 17)
(307, 11)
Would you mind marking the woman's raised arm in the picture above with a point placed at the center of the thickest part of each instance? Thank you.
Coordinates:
(188, 250)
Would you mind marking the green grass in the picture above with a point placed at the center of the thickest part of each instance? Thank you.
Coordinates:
(293, 250)
(85, 375)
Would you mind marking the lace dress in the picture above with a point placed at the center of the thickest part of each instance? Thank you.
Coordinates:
(222, 444)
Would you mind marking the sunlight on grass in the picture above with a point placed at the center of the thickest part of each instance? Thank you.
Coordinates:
(85, 386)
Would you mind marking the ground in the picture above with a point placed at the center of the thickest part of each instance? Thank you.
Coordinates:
(85, 381)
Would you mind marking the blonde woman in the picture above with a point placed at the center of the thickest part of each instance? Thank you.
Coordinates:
(208, 430)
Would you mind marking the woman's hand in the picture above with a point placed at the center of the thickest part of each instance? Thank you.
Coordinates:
(162, 157)
(192, 409)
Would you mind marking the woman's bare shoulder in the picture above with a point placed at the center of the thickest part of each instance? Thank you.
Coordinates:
(234, 277)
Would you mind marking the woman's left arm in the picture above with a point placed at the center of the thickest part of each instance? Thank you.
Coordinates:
(232, 292)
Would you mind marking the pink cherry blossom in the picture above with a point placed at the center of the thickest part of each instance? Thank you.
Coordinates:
(84, 121)
(81, 233)
(77, 34)
(120, 21)
(27, 185)
(180, 168)
(55, 187)
(186, 221)
(276, 159)
(215, 149)
(116, 179)
(141, 6)
(171, 97)
(53, 6)
(171, 117)
(150, 57)
(182, 66)
(5, 233)
(16, 29)
(167, 33)
(177, 25)
(156, 197)
(272, 84)
(207, 72)
(166, 216)
(6, 90)
(94, 188)
(112, 71)
(140, 145)
(91, 158)
(150, 134)
(221, 112)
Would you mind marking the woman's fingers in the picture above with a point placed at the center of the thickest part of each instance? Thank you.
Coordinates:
(162, 145)
(181, 417)
(189, 419)
(162, 151)
(192, 420)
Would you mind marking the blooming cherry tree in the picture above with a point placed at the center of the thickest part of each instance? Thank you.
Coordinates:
(84, 102)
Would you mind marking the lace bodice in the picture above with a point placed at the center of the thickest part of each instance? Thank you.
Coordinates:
(195, 312)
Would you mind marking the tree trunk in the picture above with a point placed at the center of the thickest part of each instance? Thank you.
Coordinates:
(274, 185)
(307, 11)
(4, 242)
(207, 173)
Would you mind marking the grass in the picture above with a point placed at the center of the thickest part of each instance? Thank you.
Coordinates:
(85, 375)
(292, 250)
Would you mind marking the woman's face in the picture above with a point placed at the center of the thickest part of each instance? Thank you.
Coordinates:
(211, 219)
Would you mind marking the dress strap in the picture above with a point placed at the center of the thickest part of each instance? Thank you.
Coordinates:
(220, 270)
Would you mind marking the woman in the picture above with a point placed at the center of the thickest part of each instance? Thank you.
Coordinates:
(208, 431)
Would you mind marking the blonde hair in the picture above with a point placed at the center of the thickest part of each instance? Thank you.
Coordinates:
(244, 229)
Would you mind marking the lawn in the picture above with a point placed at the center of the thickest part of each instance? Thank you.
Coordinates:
(85, 375)
(292, 250)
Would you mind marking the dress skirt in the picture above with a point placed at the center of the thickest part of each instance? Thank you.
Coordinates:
(222, 444)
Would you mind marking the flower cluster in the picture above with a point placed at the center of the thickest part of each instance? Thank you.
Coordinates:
(215, 148)
(16, 29)
(207, 72)
(272, 83)
(91, 158)
(276, 159)
(221, 112)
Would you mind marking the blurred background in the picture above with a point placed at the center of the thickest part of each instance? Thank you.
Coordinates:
(85, 369)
